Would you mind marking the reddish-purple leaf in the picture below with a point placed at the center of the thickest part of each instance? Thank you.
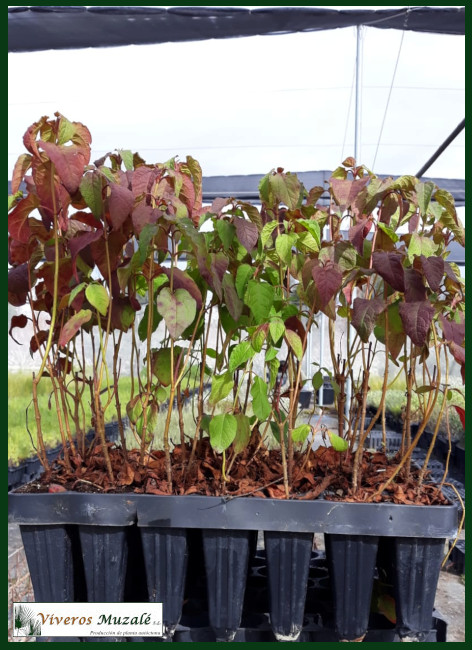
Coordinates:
(143, 180)
(187, 193)
(212, 268)
(218, 205)
(358, 233)
(247, 233)
(18, 252)
(87, 218)
(69, 162)
(73, 325)
(64, 280)
(453, 332)
(18, 225)
(38, 339)
(79, 243)
(42, 173)
(415, 291)
(461, 414)
(328, 280)
(142, 215)
(17, 321)
(233, 301)
(18, 279)
(120, 204)
(364, 315)
(417, 318)
(458, 352)
(450, 273)
(433, 269)
(183, 281)
(389, 267)
(346, 191)
(413, 222)
(116, 241)
(123, 312)
(21, 167)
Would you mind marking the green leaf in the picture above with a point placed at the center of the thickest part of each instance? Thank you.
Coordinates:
(273, 365)
(226, 232)
(275, 428)
(317, 380)
(338, 443)
(75, 291)
(205, 423)
(260, 403)
(424, 389)
(300, 433)
(258, 338)
(313, 228)
(424, 192)
(221, 387)
(271, 354)
(223, 428)
(286, 188)
(243, 274)
(276, 329)
(240, 355)
(306, 240)
(98, 297)
(143, 324)
(421, 246)
(161, 394)
(145, 237)
(243, 433)
(161, 363)
(259, 297)
(127, 158)
(388, 231)
(13, 198)
(91, 190)
(283, 246)
(295, 343)
(266, 234)
(178, 310)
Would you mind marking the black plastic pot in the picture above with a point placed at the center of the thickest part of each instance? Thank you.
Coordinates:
(393, 440)
(226, 563)
(304, 399)
(288, 563)
(417, 564)
(165, 556)
(16, 476)
(351, 564)
(48, 551)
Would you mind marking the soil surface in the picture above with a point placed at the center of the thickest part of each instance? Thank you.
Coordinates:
(257, 472)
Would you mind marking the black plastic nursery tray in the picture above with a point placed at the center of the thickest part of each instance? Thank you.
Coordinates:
(249, 513)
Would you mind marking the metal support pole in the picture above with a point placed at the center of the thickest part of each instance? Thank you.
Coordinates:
(357, 150)
(439, 151)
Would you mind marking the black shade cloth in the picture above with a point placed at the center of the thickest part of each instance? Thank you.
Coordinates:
(51, 27)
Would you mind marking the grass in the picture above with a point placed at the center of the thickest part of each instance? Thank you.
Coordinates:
(20, 394)
(395, 401)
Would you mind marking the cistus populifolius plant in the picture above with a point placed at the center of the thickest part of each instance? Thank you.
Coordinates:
(122, 251)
